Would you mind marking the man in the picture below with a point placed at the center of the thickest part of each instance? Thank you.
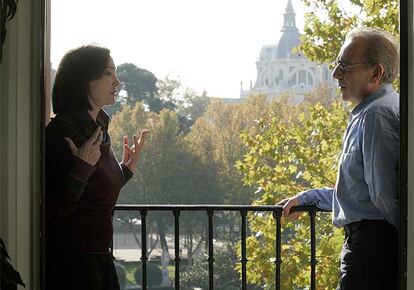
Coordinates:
(365, 198)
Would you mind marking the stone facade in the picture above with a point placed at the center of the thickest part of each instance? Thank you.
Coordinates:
(280, 70)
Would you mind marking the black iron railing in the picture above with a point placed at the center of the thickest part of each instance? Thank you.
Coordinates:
(210, 209)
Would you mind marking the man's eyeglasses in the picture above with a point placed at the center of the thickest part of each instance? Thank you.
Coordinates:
(344, 68)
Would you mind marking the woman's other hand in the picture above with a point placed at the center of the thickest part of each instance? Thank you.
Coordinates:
(89, 151)
(131, 154)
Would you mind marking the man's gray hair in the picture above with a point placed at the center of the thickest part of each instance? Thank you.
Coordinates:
(382, 49)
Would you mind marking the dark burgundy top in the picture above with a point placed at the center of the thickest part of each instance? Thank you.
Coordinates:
(80, 197)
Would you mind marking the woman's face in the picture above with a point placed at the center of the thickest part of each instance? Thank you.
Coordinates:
(103, 90)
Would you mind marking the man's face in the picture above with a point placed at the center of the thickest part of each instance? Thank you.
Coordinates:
(354, 79)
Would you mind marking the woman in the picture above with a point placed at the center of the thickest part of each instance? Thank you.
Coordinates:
(83, 177)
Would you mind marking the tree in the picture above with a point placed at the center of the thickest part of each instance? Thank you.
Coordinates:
(195, 106)
(114, 108)
(226, 276)
(297, 147)
(185, 101)
(330, 20)
(215, 139)
(140, 84)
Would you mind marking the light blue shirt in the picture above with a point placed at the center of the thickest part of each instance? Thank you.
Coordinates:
(367, 181)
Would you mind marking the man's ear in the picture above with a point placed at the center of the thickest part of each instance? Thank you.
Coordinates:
(377, 73)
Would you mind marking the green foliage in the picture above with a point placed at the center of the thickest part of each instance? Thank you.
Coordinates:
(194, 168)
(215, 139)
(296, 148)
(154, 275)
(225, 274)
(330, 20)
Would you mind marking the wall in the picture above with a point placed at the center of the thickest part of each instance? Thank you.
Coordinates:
(20, 146)
(410, 194)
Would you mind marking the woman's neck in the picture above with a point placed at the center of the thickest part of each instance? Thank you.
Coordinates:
(94, 114)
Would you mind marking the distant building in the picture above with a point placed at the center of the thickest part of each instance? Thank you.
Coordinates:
(279, 70)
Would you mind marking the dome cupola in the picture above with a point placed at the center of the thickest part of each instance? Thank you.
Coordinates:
(290, 37)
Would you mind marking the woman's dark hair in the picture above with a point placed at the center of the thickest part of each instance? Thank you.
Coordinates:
(76, 70)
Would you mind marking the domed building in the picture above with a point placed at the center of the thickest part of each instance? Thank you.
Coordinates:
(281, 70)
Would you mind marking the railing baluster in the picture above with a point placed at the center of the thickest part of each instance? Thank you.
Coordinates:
(243, 209)
(277, 214)
(313, 261)
(243, 259)
(210, 214)
(177, 258)
(144, 256)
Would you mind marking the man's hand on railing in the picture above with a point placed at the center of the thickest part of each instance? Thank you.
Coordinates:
(288, 203)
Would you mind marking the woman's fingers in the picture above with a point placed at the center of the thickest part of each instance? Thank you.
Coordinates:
(97, 137)
(89, 151)
(98, 155)
(98, 141)
(143, 136)
(131, 154)
(72, 146)
(139, 142)
(127, 150)
(135, 140)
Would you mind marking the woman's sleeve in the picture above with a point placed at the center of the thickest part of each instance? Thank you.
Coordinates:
(127, 173)
(66, 178)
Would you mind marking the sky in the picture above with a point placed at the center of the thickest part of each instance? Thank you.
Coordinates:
(208, 44)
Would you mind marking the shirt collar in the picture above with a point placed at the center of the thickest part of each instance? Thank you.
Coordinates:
(385, 88)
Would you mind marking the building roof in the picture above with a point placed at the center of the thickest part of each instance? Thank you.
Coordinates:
(268, 52)
(289, 39)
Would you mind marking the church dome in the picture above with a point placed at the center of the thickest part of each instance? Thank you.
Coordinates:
(290, 37)
(268, 52)
(287, 42)
(281, 70)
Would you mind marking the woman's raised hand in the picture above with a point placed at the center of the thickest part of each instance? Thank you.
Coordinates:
(89, 151)
(131, 154)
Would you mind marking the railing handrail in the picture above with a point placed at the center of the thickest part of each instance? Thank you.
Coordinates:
(219, 207)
